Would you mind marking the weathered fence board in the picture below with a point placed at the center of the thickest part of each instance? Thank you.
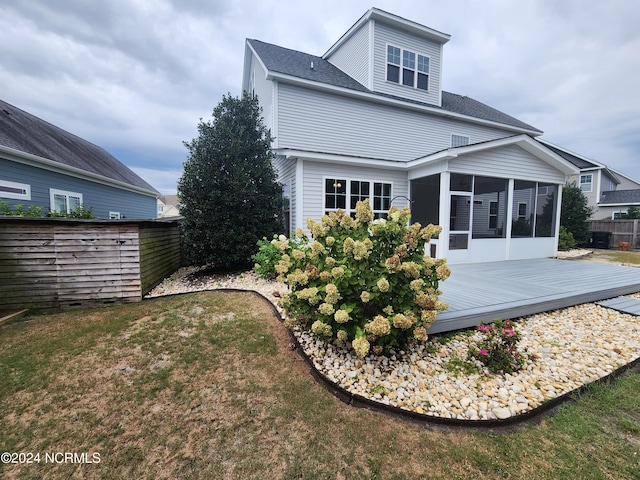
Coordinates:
(59, 263)
(621, 230)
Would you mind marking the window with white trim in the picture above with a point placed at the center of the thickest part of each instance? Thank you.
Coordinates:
(586, 182)
(16, 191)
(459, 140)
(64, 202)
(337, 191)
(413, 66)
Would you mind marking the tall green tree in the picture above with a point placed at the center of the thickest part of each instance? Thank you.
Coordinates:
(228, 192)
(575, 213)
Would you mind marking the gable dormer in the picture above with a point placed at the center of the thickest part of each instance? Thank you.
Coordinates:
(391, 55)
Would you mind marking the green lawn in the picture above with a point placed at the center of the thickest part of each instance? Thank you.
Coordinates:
(206, 385)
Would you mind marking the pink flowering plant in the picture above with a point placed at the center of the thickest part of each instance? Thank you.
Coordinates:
(362, 281)
(498, 350)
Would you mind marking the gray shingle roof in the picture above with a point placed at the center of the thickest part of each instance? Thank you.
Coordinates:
(298, 64)
(627, 197)
(577, 161)
(27, 133)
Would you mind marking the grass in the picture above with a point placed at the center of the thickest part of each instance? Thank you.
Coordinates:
(205, 385)
(619, 256)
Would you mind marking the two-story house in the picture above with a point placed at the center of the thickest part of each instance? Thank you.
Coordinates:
(609, 193)
(369, 119)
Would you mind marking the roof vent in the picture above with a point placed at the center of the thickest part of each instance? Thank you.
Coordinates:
(6, 111)
(311, 65)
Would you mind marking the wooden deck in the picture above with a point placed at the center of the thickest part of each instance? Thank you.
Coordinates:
(500, 290)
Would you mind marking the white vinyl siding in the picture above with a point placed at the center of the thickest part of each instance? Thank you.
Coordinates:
(322, 122)
(286, 170)
(353, 56)
(385, 36)
(507, 162)
(315, 174)
(263, 89)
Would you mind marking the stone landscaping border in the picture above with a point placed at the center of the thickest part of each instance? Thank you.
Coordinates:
(534, 415)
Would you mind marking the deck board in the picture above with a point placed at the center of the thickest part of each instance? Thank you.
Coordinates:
(488, 291)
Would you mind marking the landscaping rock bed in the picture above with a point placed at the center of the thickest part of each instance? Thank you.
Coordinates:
(574, 346)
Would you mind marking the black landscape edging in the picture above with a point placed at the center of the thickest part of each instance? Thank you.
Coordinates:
(358, 401)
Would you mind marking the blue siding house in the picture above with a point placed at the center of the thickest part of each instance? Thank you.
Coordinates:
(46, 166)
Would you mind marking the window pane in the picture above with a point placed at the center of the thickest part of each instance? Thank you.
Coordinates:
(393, 55)
(409, 59)
(423, 64)
(407, 77)
(74, 203)
(490, 207)
(60, 203)
(546, 210)
(423, 81)
(460, 213)
(460, 182)
(524, 203)
(393, 73)
(341, 201)
(458, 241)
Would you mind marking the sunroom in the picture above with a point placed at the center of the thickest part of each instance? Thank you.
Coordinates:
(497, 200)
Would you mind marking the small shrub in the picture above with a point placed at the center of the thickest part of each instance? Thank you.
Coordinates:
(268, 257)
(565, 239)
(19, 211)
(79, 212)
(363, 281)
(498, 351)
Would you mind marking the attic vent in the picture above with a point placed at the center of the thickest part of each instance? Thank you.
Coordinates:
(311, 65)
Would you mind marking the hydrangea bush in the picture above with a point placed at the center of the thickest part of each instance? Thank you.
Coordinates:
(363, 281)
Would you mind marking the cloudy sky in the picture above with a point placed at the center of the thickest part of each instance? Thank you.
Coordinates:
(135, 76)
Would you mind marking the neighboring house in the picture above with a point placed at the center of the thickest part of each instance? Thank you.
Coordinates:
(43, 165)
(369, 120)
(609, 192)
(168, 206)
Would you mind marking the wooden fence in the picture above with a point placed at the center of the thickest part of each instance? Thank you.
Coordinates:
(621, 230)
(59, 263)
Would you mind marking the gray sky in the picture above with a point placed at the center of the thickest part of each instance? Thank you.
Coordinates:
(135, 76)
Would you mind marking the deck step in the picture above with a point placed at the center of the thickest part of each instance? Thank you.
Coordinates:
(623, 304)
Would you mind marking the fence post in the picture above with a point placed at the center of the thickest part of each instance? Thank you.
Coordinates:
(634, 240)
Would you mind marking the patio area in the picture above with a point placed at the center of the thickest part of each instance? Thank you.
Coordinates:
(479, 292)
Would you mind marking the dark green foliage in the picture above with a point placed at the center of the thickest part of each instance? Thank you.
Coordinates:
(632, 213)
(79, 212)
(565, 239)
(575, 213)
(267, 258)
(228, 191)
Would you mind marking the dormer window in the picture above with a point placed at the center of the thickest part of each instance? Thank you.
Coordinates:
(393, 64)
(415, 74)
(408, 68)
